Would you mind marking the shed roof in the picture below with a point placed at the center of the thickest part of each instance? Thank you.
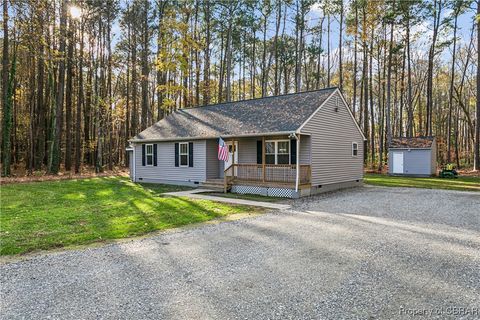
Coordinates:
(277, 114)
(422, 142)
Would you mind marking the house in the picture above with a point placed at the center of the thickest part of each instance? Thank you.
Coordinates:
(413, 156)
(290, 145)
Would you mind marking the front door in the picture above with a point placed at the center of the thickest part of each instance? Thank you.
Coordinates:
(232, 155)
(397, 162)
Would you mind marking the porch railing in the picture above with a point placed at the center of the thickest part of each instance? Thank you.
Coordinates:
(271, 173)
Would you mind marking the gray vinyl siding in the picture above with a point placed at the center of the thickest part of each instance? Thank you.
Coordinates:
(247, 150)
(166, 170)
(415, 161)
(331, 137)
(305, 149)
(212, 159)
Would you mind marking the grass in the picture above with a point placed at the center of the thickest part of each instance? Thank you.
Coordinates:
(253, 197)
(46, 215)
(462, 183)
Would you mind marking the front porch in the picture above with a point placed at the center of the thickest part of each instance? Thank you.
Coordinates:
(269, 175)
(267, 165)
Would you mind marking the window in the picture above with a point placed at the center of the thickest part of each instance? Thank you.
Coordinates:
(149, 154)
(354, 149)
(270, 152)
(283, 152)
(277, 152)
(183, 154)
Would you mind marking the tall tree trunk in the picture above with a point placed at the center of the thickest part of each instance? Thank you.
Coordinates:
(409, 79)
(340, 61)
(206, 65)
(264, 56)
(58, 126)
(389, 80)
(328, 50)
(197, 57)
(476, 165)
(228, 63)
(431, 57)
(355, 41)
(78, 143)
(145, 49)
(160, 73)
(402, 89)
(110, 107)
(275, 47)
(365, 84)
(372, 111)
(222, 68)
(450, 91)
(127, 89)
(6, 97)
(134, 124)
(68, 98)
(40, 108)
(319, 55)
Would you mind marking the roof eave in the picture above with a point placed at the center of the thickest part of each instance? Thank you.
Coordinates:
(213, 137)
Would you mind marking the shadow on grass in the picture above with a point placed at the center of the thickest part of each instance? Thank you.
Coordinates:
(52, 214)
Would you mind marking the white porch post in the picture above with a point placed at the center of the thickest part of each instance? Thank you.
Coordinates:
(297, 178)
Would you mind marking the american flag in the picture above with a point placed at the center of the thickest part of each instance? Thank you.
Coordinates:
(222, 150)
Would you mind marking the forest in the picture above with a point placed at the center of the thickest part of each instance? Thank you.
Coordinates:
(81, 77)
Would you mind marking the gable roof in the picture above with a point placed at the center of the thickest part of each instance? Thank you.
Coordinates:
(422, 142)
(269, 115)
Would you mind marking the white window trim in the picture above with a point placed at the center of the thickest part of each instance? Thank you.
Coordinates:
(275, 142)
(354, 143)
(149, 154)
(180, 154)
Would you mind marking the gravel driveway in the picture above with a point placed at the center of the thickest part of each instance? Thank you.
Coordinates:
(367, 253)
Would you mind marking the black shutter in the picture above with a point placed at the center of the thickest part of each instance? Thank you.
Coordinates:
(176, 154)
(259, 151)
(293, 151)
(155, 154)
(143, 155)
(190, 154)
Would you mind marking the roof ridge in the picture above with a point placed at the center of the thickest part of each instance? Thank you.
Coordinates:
(259, 98)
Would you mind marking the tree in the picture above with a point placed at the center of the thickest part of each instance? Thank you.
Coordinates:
(81, 86)
(145, 71)
(389, 76)
(7, 92)
(476, 165)
(55, 154)
(436, 9)
(69, 97)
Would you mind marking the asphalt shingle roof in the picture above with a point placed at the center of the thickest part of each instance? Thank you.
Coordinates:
(283, 113)
(412, 142)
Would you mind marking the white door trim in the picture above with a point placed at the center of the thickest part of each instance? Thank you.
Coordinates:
(231, 155)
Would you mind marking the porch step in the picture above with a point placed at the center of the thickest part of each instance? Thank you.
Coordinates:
(215, 184)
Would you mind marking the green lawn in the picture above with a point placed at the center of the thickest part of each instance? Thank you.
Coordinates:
(45, 215)
(462, 183)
